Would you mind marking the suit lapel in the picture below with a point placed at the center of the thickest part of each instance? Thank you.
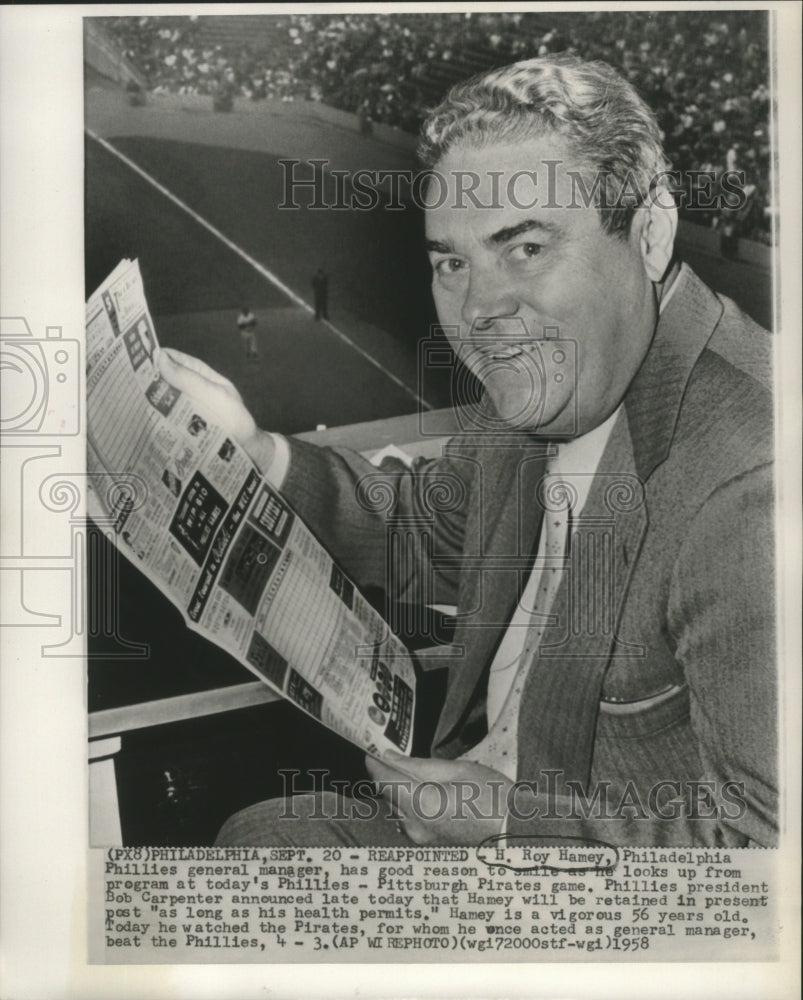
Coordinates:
(502, 532)
(653, 401)
(565, 680)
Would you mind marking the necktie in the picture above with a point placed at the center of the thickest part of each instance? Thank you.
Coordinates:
(498, 749)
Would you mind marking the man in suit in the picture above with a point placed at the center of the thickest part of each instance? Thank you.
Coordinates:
(604, 525)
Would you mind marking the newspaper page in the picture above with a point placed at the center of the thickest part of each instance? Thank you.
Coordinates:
(128, 155)
(190, 509)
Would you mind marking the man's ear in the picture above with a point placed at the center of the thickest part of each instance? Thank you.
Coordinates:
(657, 237)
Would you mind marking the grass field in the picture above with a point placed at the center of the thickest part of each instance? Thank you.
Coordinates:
(195, 284)
(376, 259)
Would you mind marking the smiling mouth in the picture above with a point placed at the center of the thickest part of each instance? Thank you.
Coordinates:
(508, 351)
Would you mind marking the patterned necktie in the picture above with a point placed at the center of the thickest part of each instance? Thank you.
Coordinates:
(498, 748)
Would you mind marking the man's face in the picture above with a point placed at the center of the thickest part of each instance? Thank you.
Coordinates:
(509, 278)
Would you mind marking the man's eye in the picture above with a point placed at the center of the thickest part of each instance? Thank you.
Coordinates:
(449, 266)
(525, 251)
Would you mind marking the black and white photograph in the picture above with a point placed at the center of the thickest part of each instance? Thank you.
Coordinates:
(425, 485)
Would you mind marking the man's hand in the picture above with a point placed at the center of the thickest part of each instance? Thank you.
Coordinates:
(442, 801)
(218, 398)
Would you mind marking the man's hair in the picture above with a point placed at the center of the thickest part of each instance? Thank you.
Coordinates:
(606, 123)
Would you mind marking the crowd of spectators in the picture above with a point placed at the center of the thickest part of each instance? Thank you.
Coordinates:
(704, 72)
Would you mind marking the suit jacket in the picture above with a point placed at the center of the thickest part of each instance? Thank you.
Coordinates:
(655, 687)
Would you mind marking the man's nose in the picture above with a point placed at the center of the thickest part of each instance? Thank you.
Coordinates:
(488, 299)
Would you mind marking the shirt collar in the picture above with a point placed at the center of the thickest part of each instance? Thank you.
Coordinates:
(679, 278)
(576, 461)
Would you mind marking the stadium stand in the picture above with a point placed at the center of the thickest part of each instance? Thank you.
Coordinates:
(706, 72)
(104, 59)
